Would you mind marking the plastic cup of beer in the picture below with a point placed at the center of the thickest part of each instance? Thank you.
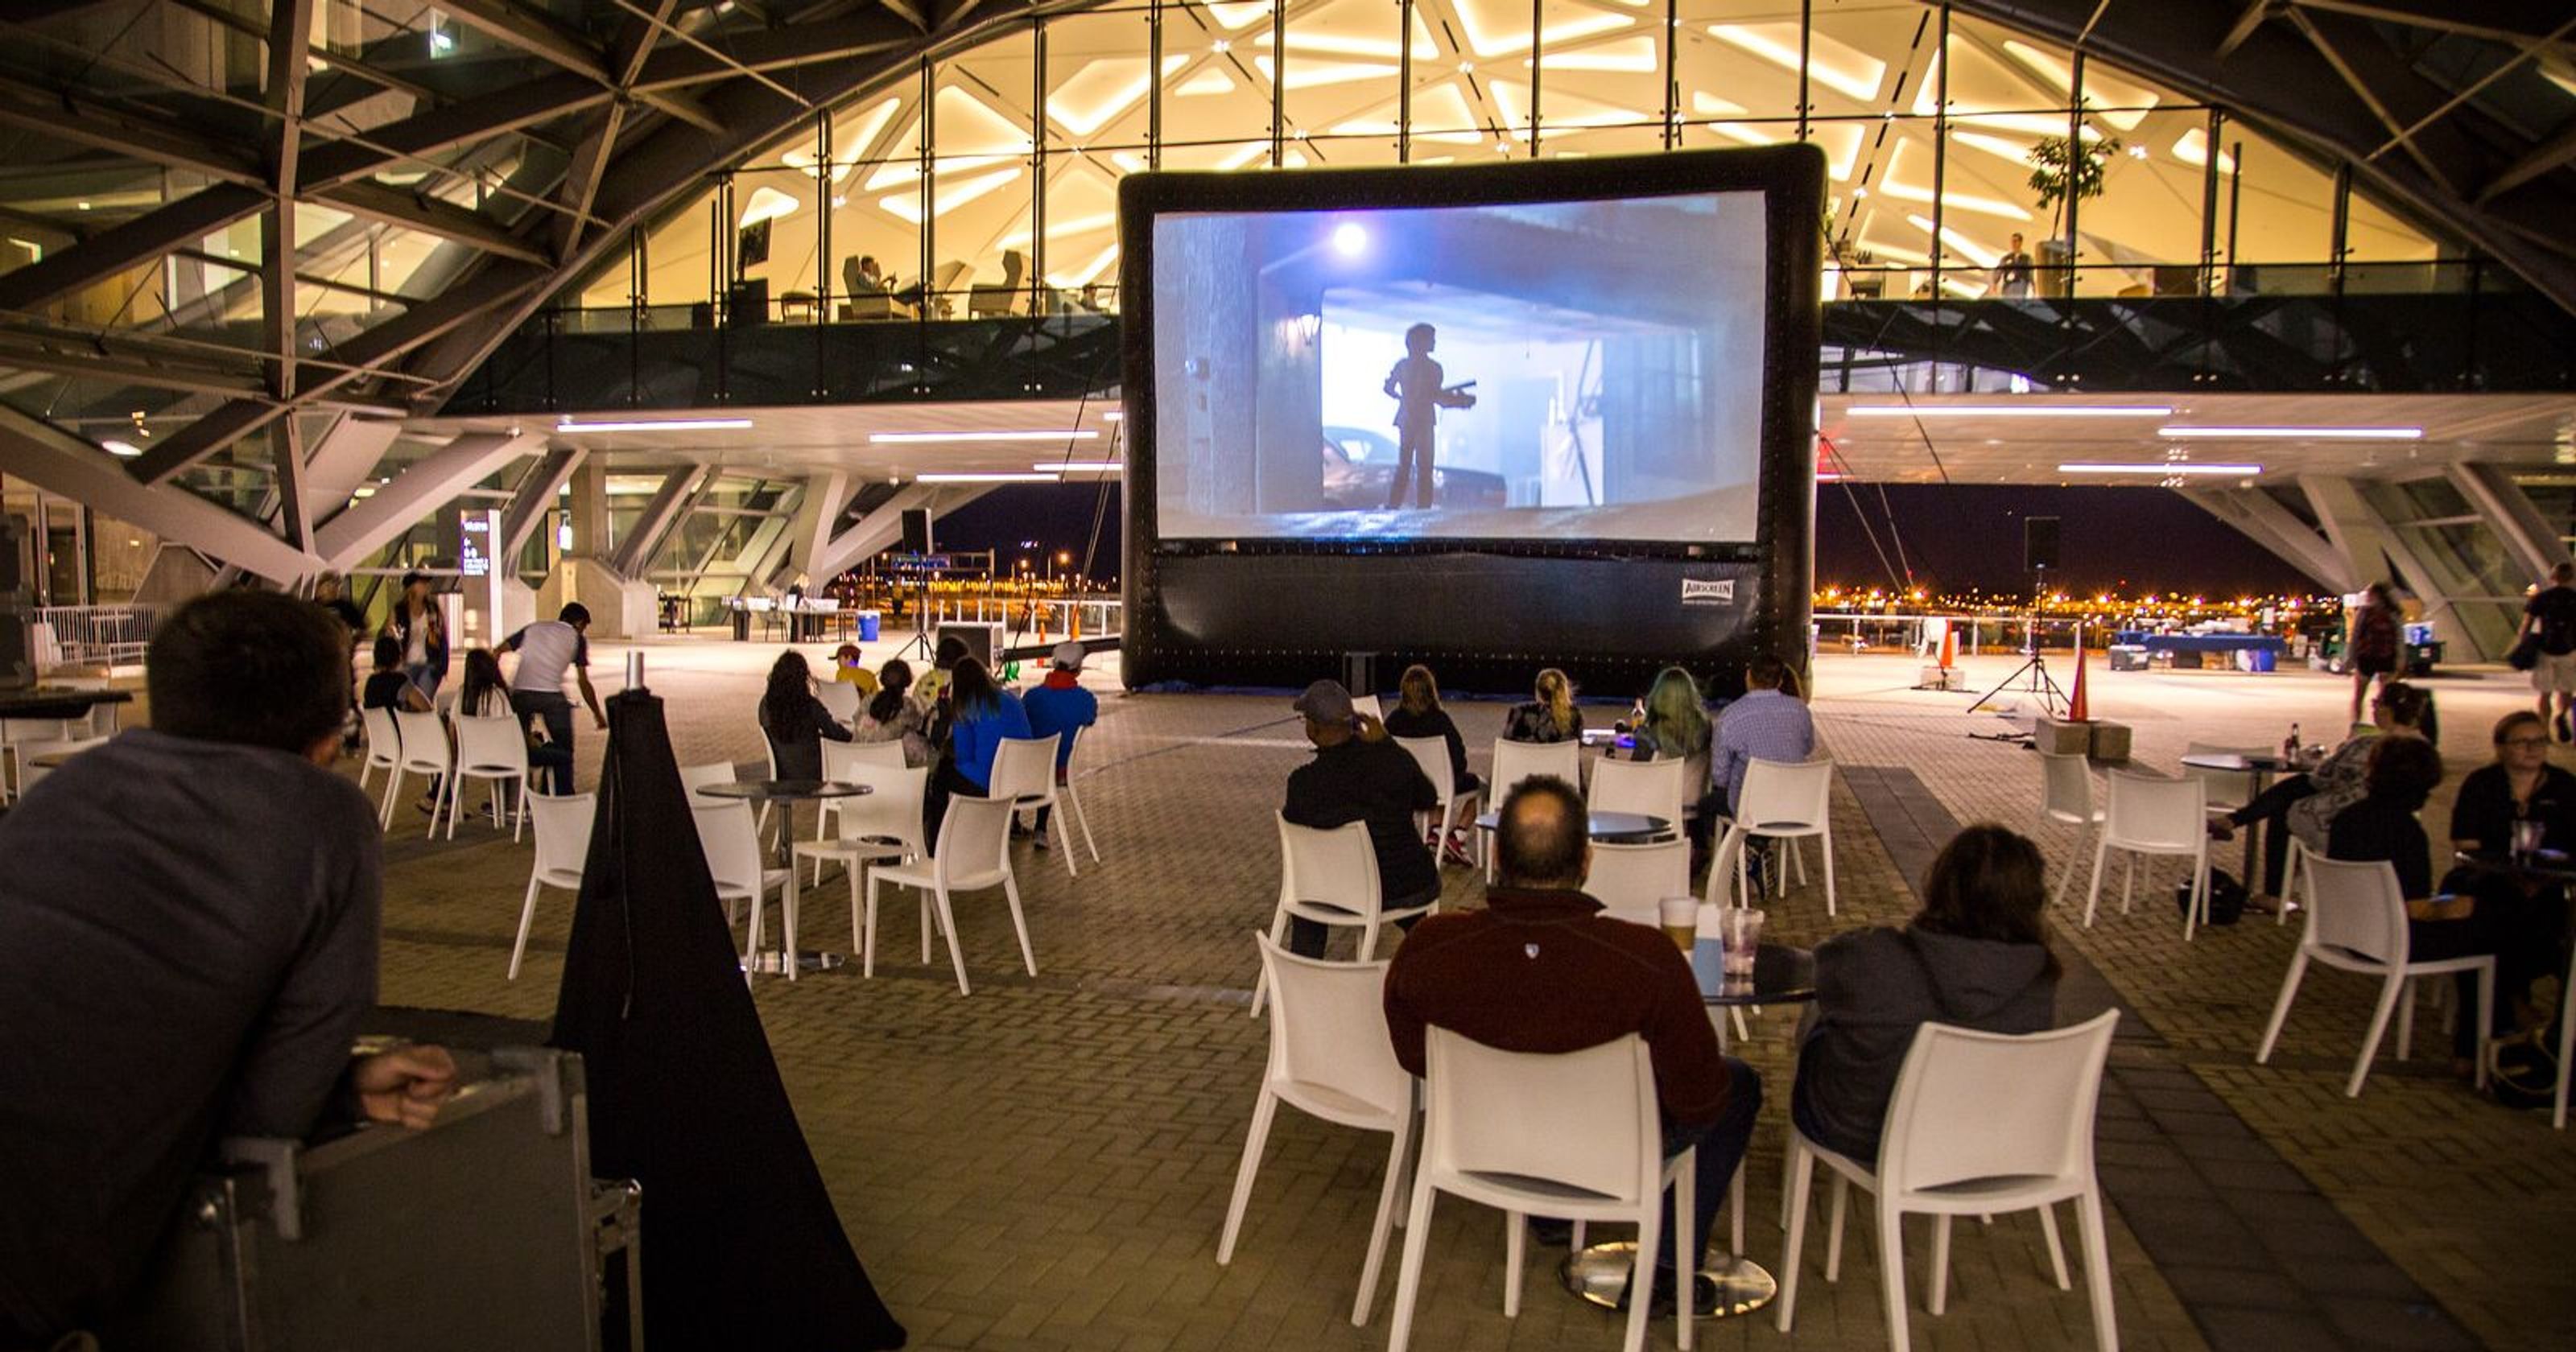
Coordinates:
(1743, 936)
(1681, 921)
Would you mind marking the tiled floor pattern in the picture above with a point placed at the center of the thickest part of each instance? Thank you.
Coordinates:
(1045, 1164)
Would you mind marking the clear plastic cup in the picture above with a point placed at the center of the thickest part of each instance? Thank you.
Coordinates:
(1743, 936)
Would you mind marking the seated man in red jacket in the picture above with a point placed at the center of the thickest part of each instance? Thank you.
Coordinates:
(1543, 970)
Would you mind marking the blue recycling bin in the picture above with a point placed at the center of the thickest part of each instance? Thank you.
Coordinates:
(2264, 659)
(867, 626)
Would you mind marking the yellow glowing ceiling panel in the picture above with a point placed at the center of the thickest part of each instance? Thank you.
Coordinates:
(1306, 72)
(2127, 103)
(1502, 27)
(1835, 64)
(1235, 17)
(1105, 87)
(951, 194)
(1210, 81)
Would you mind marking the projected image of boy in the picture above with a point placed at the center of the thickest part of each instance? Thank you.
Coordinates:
(1419, 396)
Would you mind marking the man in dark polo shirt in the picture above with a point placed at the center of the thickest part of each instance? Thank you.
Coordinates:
(188, 921)
(1359, 774)
(1543, 970)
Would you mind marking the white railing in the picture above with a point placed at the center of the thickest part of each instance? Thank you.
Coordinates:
(92, 635)
(1099, 616)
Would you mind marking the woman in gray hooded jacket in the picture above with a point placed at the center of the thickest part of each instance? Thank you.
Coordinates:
(1976, 956)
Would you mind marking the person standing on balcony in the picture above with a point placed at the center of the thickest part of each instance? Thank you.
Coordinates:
(2012, 272)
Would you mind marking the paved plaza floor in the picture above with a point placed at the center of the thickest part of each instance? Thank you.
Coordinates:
(1045, 1164)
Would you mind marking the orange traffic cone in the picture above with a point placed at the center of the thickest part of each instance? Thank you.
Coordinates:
(1949, 647)
(2076, 709)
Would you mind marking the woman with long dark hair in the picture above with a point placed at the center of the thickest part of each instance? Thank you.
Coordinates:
(2304, 805)
(795, 721)
(980, 714)
(892, 716)
(1976, 956)
(2377, 645)
(482, 693)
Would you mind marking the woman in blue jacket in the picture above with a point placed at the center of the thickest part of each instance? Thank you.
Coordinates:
(981, 714)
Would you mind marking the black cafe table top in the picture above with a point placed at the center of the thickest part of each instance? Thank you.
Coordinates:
(57, 701)
(784, 790)
(1782, 975)
(2540, 866)
(1609, 827)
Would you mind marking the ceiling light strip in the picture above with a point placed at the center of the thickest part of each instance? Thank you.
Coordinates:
(1031, 434)
(2293, 433)
(2162, 468)
(2008, 411)
(992, 478)
(658, 425)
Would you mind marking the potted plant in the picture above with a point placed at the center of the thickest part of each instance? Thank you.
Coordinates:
(2056, 169)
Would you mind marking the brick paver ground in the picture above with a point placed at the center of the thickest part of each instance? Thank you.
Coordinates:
(1045, 1164)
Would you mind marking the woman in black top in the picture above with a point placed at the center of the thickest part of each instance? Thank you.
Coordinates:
(795, 721)
(2528, 921)
(2383, 827)
(1418, 714)
(1551, 717)
(387, 687)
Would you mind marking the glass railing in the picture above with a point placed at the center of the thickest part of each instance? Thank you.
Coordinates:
(1861, 277)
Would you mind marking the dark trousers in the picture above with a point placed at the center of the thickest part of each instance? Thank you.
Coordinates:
(1721, 1147)
(2526, 932)
(2272, 808)
(1413, 459)
(945, 783)
(1306, 937)
(556, 711)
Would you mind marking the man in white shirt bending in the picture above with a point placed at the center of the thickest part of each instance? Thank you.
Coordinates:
(536, 689)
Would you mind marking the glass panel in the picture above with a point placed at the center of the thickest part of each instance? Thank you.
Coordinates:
(776, 233)
(984, 193)
(1215, 96)
(2273, 207)
(1341, 77)
(678, 257)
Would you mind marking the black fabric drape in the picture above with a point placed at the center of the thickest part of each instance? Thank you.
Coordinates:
(742, 1247)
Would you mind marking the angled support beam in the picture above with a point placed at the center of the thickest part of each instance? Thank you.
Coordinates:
(68, 117)
(535, 494)
(131, 245)
(433, 215)
(59, 462)
(2253, 17)
(431, 481)
(2342, 49)
(879, 528)
(2262, 519)
(342, 458)
(330, 161)
(773, 49)
(537, 34)
(827, 493)
(2540, 159)
(665, 509)
(28, 354)
(2533, 542)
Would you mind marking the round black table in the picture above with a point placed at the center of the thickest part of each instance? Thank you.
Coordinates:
(1617, 828)
(2258, 771)
(2540, 866)
(788, 793)
(1782, 975)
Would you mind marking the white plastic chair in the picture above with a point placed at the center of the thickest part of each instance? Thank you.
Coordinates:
(1575, 1135)
(29, 773)
(16, 733)
(384, 744)
(696, 777)
(2227, 790)
(1330, 1057)
(2357, 923)
(1630, 881)
(880, 825)
(841, 699)
(1024, 773)
(2066, 799)
(1784, 802)
(494, 750)
(1330, 877)
(1432, 754)
(973, 853)
(2566, 1047)
(562, 823)
(424, 751)
(2145, 815)
(731, 838)
(1654, 787)
(1517, 761)
(1980, 1123)
(843, 763)
(1072, 803)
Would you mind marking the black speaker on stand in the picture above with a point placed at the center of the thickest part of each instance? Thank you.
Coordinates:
(2038, 543)
(916, 530)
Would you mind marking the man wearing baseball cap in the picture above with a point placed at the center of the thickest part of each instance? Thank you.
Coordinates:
(1060, 704)
(1361, 775)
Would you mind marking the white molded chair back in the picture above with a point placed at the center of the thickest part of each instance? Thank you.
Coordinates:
(1575, 1135)
(1629, 880)
(384, 742)
(1971, 1106)
(1516, 761)
(732, 844)
(840, 759)
(2066, 790)
(696, 777)
(1653, 787)
(1334, 870)
(488, 748)
(2356, 908)
(424, 751)
(1024, 770)
(1073, 800)
(974, 843)
(562, 823)
(891, 812)
(1782, 798)
(2165, 816)
(2226, 788)
(841, 698)
(1432, 754)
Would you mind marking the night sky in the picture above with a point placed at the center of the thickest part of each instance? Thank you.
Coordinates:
(2126, 540)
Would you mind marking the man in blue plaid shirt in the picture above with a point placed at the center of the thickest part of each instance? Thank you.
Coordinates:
(1766, 723)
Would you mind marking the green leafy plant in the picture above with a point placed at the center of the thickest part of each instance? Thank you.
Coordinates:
(2054, 167)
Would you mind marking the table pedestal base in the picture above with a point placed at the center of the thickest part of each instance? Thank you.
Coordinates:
(1600, 1274)
(773, 963)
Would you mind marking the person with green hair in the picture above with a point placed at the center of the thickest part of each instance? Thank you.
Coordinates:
(1676, 726)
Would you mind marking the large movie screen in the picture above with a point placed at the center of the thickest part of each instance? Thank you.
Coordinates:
(1570, 370)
